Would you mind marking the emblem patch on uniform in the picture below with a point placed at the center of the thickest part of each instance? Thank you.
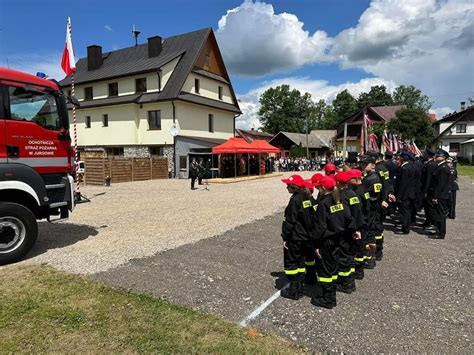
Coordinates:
(315, 207)
(336, 208)
(366, 195)
(387, 175)
(306, 204)
(354, 200)
(377, 187)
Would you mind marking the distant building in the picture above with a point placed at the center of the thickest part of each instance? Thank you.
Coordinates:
(131, 98)
(455, 133)
(382, 114)
(319, 142)
(253, 134)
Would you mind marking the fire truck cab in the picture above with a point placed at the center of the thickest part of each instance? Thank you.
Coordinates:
(36, 164)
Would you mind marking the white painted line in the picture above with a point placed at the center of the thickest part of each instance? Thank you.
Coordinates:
(256, 312)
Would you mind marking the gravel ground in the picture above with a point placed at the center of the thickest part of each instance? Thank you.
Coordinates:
(139, 219)
(418, 299)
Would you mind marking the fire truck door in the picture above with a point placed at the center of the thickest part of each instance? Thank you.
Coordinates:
(3, 129)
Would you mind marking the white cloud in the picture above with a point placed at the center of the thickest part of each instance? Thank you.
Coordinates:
(319, 90)
(440, 112)
(49, 63)
(255, 41)
(108, 28)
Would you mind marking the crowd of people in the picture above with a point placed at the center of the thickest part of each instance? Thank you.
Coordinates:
(329, 240)
(199, 170)
(299, 164)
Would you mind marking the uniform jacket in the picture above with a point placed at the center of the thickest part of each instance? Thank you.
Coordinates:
(426, 173)
(332, 219)
(439, 186)
(298, 223)
(384, 175)
(351, 199)
(364, 197)
(405, 185)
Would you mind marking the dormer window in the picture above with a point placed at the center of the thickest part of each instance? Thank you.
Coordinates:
(140, 85)
(88, 93)
(113, 89)
(220, 89)
(196, 86)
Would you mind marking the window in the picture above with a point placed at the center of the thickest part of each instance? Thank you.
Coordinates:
(211, 123)
(88, 121)
(140, 85)
(461, 128)
(154, 120)
(183, 162)
(113, 89)
(196, 86)
(115, 151)
(34, 106)
(156, 151)
(105, 120)
(88, 93)
(454, 147)
(220, 92)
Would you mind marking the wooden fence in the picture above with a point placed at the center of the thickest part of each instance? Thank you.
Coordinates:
(124, 169)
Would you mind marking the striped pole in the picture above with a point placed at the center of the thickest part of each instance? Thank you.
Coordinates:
(76, 153)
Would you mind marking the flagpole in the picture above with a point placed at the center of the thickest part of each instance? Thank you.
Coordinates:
(74, 122)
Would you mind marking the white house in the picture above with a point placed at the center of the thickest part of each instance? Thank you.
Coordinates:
(455, 132)
(131, 99)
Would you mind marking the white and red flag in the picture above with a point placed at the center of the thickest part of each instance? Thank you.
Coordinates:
(68, 62)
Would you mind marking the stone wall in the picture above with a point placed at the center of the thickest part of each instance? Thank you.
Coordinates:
(136, 152)
(168, 154)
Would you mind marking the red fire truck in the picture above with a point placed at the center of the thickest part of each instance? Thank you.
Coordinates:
(36, 164)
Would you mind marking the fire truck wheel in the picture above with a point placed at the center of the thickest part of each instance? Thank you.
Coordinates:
(18, 232)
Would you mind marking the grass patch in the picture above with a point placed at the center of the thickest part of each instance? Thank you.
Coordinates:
(43, 310)
(466, 170)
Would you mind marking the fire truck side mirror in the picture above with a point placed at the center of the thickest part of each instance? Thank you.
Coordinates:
(72, 100)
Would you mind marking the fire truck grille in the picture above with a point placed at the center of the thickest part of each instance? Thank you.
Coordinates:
(56, 195)
(51, 179)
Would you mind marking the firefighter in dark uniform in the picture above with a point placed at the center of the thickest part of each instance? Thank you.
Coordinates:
(373, 186)
(332, 221)
(439, 194)
(298, 236)
(405, 191)
(348, 243)
(417, 166)
(364, 198)
(453, 188)
(387, 196)
(426, 173)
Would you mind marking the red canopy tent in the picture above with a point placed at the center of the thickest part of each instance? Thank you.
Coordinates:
(264, 147)
(234, 145)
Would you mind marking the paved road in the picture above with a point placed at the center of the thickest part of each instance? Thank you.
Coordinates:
(419, 298)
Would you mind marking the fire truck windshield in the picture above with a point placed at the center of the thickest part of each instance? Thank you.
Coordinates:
(35, 105)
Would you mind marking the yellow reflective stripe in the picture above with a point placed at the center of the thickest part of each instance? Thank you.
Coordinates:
(347, 273)
(354, 200)
(387, 175)
(368, 257)
(336, 208)
(306, 204)
(377, 187)
(324, 279)
(334, 277)
(359, 259)
(310, 263)
(381, 173)
(291, 272)
(366, 195)
(315, 207)
(379, 237)
(301, 269)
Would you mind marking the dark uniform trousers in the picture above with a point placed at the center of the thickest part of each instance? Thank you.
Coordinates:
(296, 257)
(327, 270)
(347, 252)
(441, 211)
(407, 208)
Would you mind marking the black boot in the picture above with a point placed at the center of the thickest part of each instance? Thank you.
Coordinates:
(370, 260)
(344, 284)
(333, 296)
(300, 280)
(379, 254)
(291, 291)
(324, 298)
(359, 272)
(310, 276)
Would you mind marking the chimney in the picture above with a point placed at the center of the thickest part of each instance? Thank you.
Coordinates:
(463, 105)
(154, 46)
(94, 57)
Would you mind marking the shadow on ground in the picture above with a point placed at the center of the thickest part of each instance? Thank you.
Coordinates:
(59, 235)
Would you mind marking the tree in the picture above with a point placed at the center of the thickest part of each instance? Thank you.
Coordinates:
(410, 96)
(344, 105)
(323, 116)
(412, 123)
(377, 96)
(288, 110)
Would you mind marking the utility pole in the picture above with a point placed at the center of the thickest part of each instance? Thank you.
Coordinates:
(307, 144)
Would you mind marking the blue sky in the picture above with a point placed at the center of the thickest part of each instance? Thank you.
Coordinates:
(335, 44)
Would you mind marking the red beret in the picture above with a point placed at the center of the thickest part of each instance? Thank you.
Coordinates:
(355, 173)
(329, 167)
(316, 178)
(342, 177)
(294, 180)
(328, 183)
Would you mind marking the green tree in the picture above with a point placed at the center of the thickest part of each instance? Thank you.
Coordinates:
(288, 110)
(377, 96)
(412, 123)
(344, 105)
(410, 96)
(323, 116)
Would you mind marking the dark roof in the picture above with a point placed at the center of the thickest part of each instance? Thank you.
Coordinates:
(117, 100)
(134, 60)
(386, 113)
(210, 75)
(204, 139)
(453, 116)
(300, 139)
